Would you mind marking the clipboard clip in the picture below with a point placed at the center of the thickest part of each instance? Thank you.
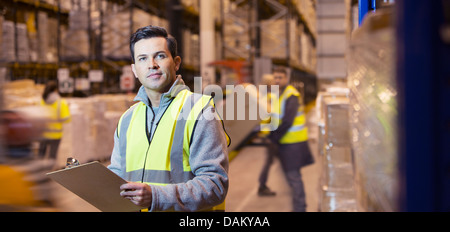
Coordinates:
(72, 162)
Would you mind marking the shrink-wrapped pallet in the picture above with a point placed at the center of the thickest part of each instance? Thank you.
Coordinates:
(191, 49)
(23, 48)
(75, 41)
(338, 201)
(337, 122)
(79, 19)
(8, 42)
(116, 30)
(43, 36)
(338, 169)
(373, 113)
(273, 39)
(195, 50)
(52, 34)
(90, 134)
(75, 44)
(21, 93)
(337, 177)
(236, 37)
(32, 34)
(116, 34)
(332, 94)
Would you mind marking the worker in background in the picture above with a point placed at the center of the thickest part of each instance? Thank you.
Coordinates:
(290, 139)
(59, 114)
(171, 146)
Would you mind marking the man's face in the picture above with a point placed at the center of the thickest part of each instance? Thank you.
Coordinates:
(280, 78)
(154, 66)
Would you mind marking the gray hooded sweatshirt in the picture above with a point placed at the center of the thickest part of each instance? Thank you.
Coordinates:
(208, 160)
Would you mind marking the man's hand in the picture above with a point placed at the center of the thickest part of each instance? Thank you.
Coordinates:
(138, 193)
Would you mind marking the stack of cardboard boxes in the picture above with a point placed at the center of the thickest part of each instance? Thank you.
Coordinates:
(337, 178)
(8, 53)
(90, 134)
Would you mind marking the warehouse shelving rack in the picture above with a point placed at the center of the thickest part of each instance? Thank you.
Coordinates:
(248, 15)
(14, 11)
(79, 66)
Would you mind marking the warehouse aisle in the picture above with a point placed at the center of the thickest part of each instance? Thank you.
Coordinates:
(244, 173)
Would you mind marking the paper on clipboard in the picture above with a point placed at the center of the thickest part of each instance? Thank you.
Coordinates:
(97, 185)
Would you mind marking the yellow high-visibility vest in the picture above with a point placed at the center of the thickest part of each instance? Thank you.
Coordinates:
(298, 132)
(170, 142)
(59, 114)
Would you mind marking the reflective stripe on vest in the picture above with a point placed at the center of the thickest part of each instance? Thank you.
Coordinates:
(171, 141)
(298, 132)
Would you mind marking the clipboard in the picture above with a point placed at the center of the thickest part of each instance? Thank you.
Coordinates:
(97, 185)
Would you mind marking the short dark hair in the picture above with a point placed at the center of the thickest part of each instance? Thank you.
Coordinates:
(50, 87)
(151, 32)
(279, 69)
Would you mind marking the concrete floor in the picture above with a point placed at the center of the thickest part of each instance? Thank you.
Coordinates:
(245, 169)
(244, 172)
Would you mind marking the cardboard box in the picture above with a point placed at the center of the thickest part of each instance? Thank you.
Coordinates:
(8, 42)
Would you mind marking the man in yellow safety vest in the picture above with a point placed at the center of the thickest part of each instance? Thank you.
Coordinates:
(289, 141)
(59, 114)
(171, 145)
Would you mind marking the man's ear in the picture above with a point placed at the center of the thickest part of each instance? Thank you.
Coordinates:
(177, 61)
(134, 70)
